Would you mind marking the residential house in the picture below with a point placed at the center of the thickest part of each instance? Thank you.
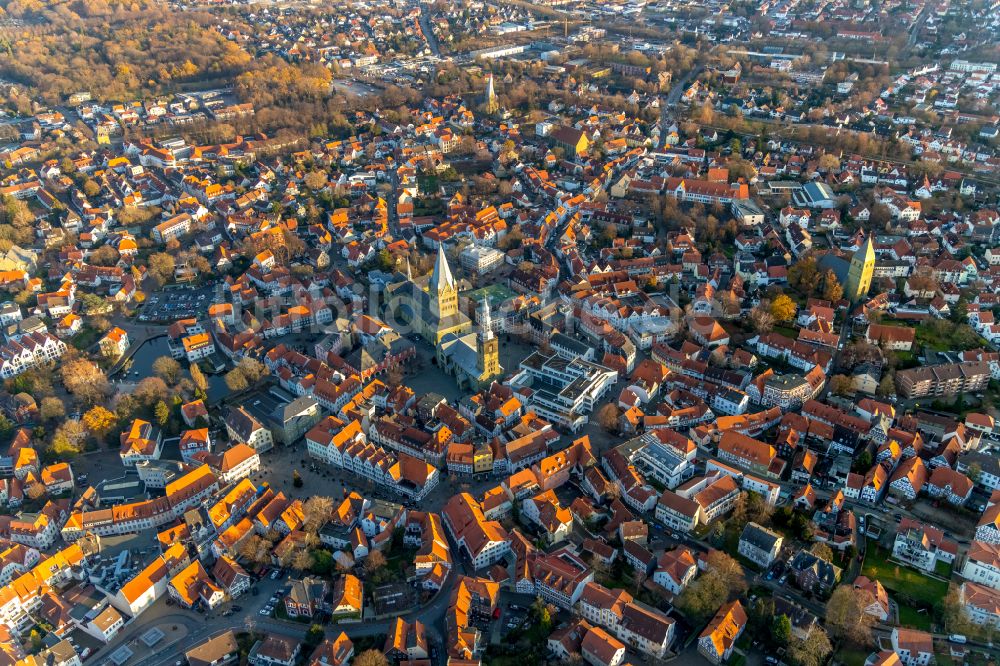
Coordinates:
(718, 640)
(759, 545)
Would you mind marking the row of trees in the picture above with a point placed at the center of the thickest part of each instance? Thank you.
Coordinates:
(156, 398)
(806, 277)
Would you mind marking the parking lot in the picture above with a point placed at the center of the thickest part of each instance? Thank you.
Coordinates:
(178, 303)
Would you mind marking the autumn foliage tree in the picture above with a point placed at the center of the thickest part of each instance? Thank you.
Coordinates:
(85, 380)
(833, 291)
(371, 657)
(811, 651)
(68, 439)
(199, 380)
(51, 409)
(167, 369)
(374, 561)
(841, 385)
(846, 616)
(246, 374)
(256, 549)
(607, 417)
(724, 578)
(161, 267)
(761, 319)
(782, 308)
(99, 421)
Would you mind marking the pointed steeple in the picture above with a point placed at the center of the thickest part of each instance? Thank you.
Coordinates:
(860, 271)
(485, 321)
(867, 251)
(487, 346)
(441, 278)
(409, 272)
(492, 105)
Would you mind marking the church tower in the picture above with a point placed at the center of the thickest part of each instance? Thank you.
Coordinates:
(487, 346)
(859, 275)
(492, 104)
(443, 289)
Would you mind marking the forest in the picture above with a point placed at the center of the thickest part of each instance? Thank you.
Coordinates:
(114, 50)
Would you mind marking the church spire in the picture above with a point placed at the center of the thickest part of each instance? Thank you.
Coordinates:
(441, 278)
(861, 270)
(867, 253)
(409, 272)
(492, 105)
(485, 321)
(487, 346)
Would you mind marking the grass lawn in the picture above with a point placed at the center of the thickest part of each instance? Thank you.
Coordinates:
(395, 567)
(731, 541)
(623, 582)
(497, 293)
(428, 183)
(902, 580)
(504, 660)
(423, 206)
(910, 617)
(925, 337)
(787, 331)
(943, 569)
(905, 359)
(942, 335)
(85, 338)
(850, 656)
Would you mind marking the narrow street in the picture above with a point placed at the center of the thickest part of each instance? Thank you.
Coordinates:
(425, 26)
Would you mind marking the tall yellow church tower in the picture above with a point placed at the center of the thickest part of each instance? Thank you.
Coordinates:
(859, 275)
(487, 347)
(443, 289)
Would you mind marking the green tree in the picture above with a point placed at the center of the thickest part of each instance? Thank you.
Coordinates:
(781, 630)
(297, 479)
(803, 275)
(314, 636)
(322, 562)
(384, 261)
(862, 462)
